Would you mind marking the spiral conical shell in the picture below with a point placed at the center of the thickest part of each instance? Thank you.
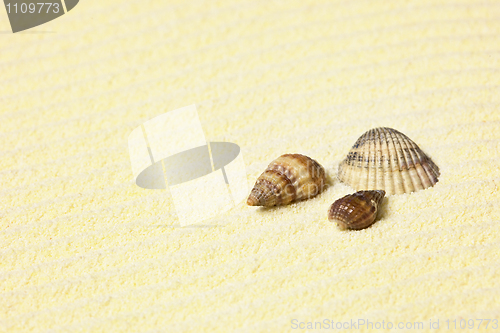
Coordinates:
(385, 159)
(289, 178)
(356, 211)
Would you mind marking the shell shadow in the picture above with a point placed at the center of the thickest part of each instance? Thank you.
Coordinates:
(330, 181)
(382, 209)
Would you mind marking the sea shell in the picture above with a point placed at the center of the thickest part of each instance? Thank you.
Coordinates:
(356, 211)
(289, 178)
(385, 159)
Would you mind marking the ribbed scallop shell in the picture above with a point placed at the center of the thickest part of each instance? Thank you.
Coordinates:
(385, 159)
(356, 211)
(289, 178)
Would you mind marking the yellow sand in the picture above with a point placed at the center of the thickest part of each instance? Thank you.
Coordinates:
(83, 248)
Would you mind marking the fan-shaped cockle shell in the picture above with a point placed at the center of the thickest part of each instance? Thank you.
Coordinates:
(385, 159)
(289, 178)
(356, 211)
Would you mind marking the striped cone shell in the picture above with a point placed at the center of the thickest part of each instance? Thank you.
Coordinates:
(385, 159)
(356, 211)
(289, 178)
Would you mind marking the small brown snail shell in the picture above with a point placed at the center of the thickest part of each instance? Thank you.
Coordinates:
(356, 211)
(289, 178)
